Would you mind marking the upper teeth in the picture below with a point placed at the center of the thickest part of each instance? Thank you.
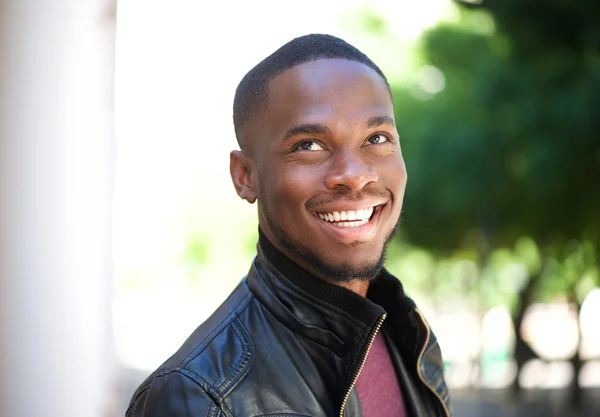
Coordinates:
(337, 216)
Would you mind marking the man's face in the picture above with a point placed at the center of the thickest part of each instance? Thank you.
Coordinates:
(330, 177)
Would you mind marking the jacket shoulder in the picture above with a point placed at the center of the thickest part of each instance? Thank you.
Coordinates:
(171, 394)
(209, 364)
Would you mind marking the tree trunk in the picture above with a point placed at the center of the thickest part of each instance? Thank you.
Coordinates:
(522, 351)
(574, 393)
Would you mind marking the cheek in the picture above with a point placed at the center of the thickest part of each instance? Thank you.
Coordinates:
(292, 185)
(394, 175)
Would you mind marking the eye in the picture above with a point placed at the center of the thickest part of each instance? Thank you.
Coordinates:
(377, 139)
(308, 145)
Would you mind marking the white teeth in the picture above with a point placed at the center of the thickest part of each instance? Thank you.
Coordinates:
(348, 218)
(351, 224)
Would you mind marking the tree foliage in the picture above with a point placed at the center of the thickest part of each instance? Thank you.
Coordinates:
(510, 147)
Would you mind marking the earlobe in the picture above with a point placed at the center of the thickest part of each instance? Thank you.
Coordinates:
(240, 168)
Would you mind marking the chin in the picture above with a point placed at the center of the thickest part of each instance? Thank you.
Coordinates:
(343, 270)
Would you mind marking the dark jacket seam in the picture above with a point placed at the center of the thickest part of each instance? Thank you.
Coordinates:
(167, 373)
(213, 411)
(209, 389)
(139, 394)
(146, 387)
(227, 321)
(242, 364)
(249, 351)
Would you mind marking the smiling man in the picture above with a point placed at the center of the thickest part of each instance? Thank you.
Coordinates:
(318, 327)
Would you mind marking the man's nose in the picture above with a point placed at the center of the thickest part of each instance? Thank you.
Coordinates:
(350, 170)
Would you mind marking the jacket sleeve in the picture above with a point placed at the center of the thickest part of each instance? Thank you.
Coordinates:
(172, 395)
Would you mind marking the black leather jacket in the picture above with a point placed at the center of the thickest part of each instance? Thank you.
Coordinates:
(294, 346)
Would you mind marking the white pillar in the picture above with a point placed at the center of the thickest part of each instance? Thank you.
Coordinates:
(56, 167)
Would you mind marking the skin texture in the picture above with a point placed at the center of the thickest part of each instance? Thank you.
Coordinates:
(325, 142)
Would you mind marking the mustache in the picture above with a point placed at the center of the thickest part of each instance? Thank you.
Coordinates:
(347, 195)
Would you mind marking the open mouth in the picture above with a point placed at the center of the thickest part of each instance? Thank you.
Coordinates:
(350, 218)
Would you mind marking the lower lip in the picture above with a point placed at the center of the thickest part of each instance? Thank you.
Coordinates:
(352, 234)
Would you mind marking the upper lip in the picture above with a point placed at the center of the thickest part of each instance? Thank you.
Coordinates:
(348, 206)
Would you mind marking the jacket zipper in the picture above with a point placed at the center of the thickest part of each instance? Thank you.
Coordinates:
(362, 362)
(446, 411)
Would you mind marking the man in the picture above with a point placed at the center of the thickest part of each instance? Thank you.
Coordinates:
(317, 327)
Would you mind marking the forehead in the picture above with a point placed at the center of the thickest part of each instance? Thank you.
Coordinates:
(328, 91)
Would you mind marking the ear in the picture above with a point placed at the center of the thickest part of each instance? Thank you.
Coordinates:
(240, 168)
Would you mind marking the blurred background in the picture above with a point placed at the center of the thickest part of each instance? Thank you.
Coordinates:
(120, 230)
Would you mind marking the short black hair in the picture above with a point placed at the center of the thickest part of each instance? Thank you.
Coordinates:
(251, 93)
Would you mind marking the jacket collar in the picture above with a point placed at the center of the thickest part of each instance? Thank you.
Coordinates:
(327, 314)
(339, 297)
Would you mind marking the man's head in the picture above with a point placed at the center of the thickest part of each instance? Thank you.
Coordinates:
(320, 153)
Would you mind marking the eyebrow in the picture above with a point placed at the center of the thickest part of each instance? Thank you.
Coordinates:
(380, 120)
(307, 129)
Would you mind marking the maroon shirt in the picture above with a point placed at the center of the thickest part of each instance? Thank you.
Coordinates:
(377, 385)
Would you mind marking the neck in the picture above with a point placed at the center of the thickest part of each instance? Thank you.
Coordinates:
(288, 267)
